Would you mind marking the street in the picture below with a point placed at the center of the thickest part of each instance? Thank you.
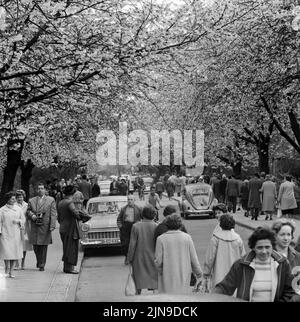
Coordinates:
(103, 273)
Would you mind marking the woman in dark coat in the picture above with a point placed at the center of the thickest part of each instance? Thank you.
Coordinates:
(141, 251)
(68, 217)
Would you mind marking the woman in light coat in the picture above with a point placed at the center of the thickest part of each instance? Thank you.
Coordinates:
(286, 198)
(141, 251)
(11, 223)
(175, 259)
(268, 196)
(20, 195)
(225, 247)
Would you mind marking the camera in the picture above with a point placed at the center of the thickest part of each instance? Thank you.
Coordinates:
(39, 218)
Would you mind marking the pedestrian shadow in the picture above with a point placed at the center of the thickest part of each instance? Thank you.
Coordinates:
(102, 252)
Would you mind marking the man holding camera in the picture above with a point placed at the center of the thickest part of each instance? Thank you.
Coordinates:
(42, 213)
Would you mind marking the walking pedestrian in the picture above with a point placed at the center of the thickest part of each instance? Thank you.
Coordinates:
(140, 187)
(68, 217)
(170, 188)
(286, 197)
(231, 193)
(268, 197)
(244, 194)
(162, 227)
(175, 259)
(42, 215)
(123, 187)
(114, 187)
(141, 251)
(154, 201)
(86, 188)
(129, 215)
(223, 185)
(219, 210)
(159, 188)
(11, 223)
(178, 185)
(254, 202)
(262, 275)
(20, 196)
(225, 247)
(284, 232)
(95, 188)
(216, 187)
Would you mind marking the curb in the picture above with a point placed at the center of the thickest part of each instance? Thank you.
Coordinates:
(244, 225)
(75, 298)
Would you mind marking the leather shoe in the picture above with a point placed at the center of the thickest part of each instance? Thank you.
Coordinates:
(71, 272)
(41, 269)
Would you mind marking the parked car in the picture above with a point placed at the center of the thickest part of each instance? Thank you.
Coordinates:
(197, 200)
(102, 230)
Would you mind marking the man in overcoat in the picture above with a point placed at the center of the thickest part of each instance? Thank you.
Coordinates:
(42, 213)
(129, 215)
(232, 192)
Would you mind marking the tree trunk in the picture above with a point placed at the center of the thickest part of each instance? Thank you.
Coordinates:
(263, 157)
(26, 174)
(13, 161)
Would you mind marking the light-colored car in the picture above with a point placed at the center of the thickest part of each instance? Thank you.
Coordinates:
(197, 200)
(104, 187)
(102, 230)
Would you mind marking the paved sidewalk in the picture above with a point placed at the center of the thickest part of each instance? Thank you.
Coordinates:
(246, 222)
(31, 285)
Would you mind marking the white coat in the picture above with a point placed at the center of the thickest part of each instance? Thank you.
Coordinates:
(11, 222)
(176, 259)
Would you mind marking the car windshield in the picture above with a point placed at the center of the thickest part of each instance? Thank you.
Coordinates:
(105, 207)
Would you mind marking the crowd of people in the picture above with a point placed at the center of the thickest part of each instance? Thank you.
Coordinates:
(259, 195)
(28, 226)
(163, 256)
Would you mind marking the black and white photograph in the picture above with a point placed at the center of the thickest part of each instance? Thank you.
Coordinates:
(149, 154)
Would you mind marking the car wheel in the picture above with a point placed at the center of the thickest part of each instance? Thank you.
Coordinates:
(186, 216)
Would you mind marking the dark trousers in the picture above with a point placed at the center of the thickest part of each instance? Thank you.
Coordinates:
(160, 194)
(254, 213)
(125, 232)
(231, 203)
(85, 202)
(70, 251)
(41, 255)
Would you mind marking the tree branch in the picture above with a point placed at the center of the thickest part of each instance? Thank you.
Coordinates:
(279, 127)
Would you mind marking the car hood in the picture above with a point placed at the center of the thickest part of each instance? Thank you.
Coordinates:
(104, 220)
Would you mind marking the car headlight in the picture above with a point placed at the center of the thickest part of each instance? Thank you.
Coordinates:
(85, 227)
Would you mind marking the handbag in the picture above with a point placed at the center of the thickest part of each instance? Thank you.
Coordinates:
(130, 288)
(202, 286)
(84, 217)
